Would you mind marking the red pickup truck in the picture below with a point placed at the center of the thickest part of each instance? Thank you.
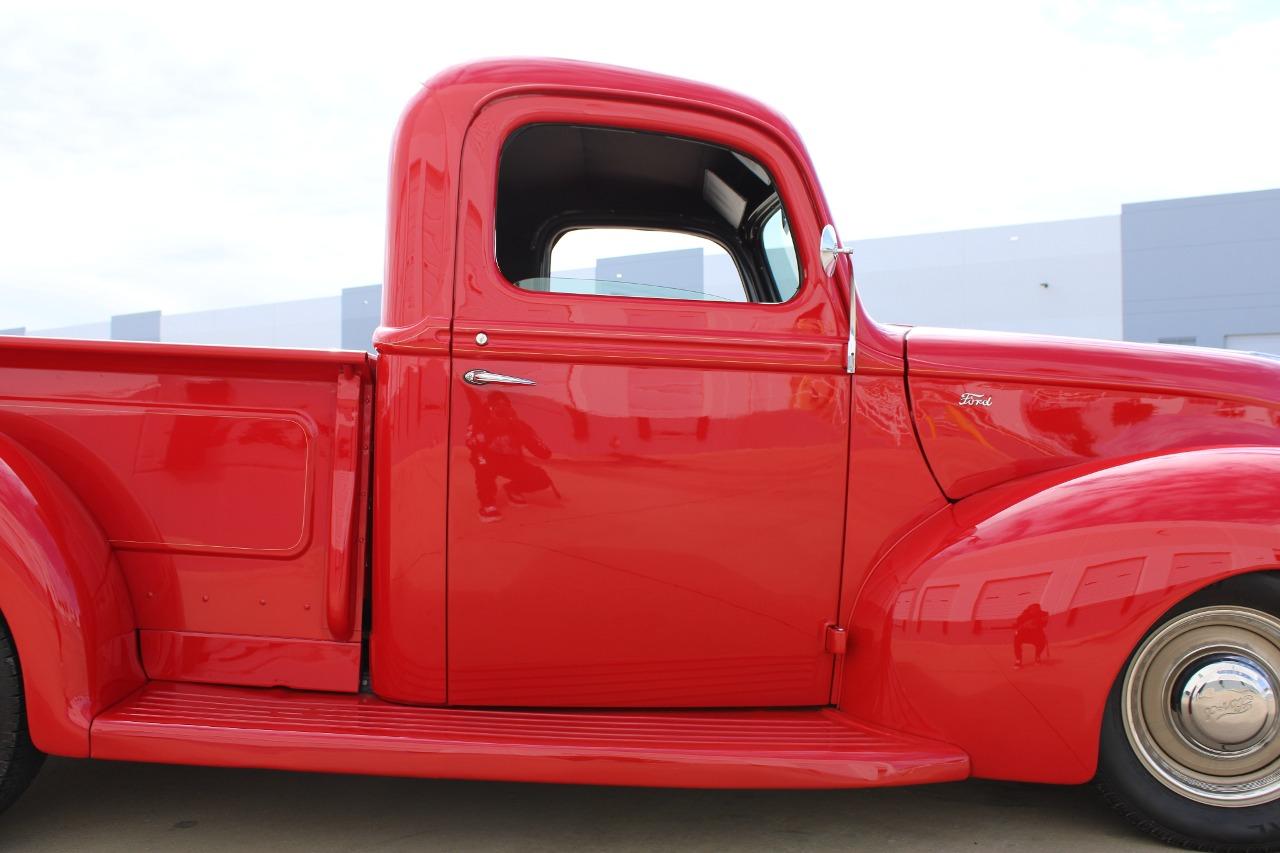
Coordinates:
(689, 520)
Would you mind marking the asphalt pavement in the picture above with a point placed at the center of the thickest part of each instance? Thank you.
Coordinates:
(115, 806)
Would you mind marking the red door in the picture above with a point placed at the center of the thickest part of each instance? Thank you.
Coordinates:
(657, 519)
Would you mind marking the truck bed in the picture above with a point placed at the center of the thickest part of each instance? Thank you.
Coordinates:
(228, 481)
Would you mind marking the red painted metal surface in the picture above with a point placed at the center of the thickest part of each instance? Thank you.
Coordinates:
(65, 603)
(251, 661)
(1041, 403)
(344, 567)
(210, 471)
(708, 749)
(407, 640)
(1001, 623)
(423, 216)
(632, 517)
(676, 514)
(427, 185)
(891, 490)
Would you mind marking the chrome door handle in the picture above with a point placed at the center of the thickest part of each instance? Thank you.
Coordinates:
(484, 377)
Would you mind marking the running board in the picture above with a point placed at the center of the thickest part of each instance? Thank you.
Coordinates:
(342, 733)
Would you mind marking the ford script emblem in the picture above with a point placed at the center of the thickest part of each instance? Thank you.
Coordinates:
(967, 399)
(1235, 702)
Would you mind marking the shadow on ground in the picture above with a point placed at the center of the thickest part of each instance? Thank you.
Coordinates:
(111, 806)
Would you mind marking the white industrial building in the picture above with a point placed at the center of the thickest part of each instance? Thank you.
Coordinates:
(1056, 278)
(1202, 271)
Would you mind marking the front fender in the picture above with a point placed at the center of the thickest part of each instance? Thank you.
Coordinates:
(1000, 624)
(64, 599)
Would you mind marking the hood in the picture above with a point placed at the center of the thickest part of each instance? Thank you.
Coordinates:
(991, 407)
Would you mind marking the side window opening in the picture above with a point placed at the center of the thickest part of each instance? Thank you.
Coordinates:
(645, 263)
(613, 212)
(780, 254)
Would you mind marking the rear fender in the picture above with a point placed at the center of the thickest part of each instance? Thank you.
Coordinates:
(64, 599)
(1000, 624)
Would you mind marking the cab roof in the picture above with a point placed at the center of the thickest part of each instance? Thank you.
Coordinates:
(426, 158)
(477, 83)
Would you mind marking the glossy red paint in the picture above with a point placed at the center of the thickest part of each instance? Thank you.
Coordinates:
(210, 471)
(407, 640)
(1001, 623)
(683, 511)
(65, 603)
(1037, 403)
(348, 492)
(1003, 357)
(361, 734)
(793, 354)
(656, 470)
(424, 224)
(252, 661)
(891, 491)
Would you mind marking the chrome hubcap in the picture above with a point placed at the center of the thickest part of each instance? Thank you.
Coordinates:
(1200, 708)
(1227, 705)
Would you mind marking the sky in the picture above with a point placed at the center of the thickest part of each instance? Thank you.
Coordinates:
(180, 157)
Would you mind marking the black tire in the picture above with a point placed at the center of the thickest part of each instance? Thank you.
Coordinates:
(19, 758)
(1152, 805)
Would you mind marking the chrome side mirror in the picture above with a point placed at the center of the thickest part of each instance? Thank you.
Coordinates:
(829, 249)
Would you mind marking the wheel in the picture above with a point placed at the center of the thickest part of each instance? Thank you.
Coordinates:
(1190, 748)
(19, 759)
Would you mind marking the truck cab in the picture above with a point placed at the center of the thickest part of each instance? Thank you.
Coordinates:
(614, 529)
(633, 491)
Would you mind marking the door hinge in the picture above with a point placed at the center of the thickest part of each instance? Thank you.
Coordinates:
(837, 640)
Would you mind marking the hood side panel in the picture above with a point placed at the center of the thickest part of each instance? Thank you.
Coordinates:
(991, 408)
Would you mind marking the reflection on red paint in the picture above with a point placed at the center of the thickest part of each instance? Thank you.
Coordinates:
(1029, 630)
(1050, 582)
(694, 498)
(1101, 400)
(210, 474)
(497, 441)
